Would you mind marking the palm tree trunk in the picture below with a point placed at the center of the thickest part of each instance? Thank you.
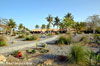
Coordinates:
(11, 33)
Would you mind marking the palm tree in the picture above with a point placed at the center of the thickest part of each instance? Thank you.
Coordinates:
(37, 26)
(43, 26)
(50, 20)
(20, 27)
(12, 25)
(57, 21)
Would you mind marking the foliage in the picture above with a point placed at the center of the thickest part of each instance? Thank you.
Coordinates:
(15, 53)
(44, 45)
(20, 27)
(37, 26)
(97, 59)
(43, 26)
(78, 54)
(44, 50)
(33, 37)
(57, 21)
(2, 41)
(21, 36)
(97, 38)
(33, 51)
(64, 40)
(93, 22)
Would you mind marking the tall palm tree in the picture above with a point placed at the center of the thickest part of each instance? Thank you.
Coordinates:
(57, 21)
(37, 26)
(50, 20)
(12, 25)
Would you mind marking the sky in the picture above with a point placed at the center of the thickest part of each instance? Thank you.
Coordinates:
(32, 12)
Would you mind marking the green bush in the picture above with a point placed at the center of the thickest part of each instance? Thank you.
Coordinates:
(97, 38)
(64, 40)
(21, 36)
(44, 50)
(33, 51)
(33, 37)
(2, 41)
(44, 45)
(78, 54)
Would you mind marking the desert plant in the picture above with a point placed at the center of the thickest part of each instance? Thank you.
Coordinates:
(44, 45)
(64, 40)
(78, 54)
(21, 36)
(15, 53)
(97, 59)
(33, 37)
(2, 41)
(33, 51)
(44, 50)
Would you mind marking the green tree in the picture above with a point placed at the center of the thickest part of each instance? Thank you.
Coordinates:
(43, 26)
(37, 26)
(12, 25)
(50, 20)
(57, 21)
(20, 27)
(68, 22)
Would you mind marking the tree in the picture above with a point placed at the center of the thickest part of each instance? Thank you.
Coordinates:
(12, 25)
(57, 21)
(37, 26)
(20, 27)
(43, 26)
(68, 22)
(48, 27)
(50, 20)
(93, 22)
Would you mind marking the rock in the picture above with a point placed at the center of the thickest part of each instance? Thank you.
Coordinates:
(48, 62)
(2, 58)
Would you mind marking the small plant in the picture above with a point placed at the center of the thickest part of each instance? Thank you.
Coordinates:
(97, 38)
(17, 54)
(33, 51)
(44, 45)
(2, 41)
(33, 37)
(21, 36)
(44, 50)
(78, 54)
(97, 59)
(64, 40)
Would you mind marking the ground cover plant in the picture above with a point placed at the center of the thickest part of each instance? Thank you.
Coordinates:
(3, 41)
(33, 37)
(64, 40)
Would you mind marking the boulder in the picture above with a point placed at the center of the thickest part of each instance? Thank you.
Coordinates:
(2, 58)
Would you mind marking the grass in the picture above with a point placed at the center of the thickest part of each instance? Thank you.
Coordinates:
(31, 38)
(64, 40)
(2, 41)
(78, 54)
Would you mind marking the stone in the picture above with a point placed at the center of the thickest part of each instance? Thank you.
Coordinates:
(48, 62)
(2, 58)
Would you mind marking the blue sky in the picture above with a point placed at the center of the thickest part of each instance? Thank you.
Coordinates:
(32, 12)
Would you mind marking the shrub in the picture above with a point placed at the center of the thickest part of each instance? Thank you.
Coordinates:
(44, 45)
(2, 41)
(97, 38)
(44, 50)
(21, 36)
(64, 40)
(78, 54)
(33, 37)
(33, 51)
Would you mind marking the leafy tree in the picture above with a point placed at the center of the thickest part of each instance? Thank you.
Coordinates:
(57, 21)
(12, 25)
(50, 20)
(20, 27)
(93, 22)
(43, 26)
(37, 26)
(68, 22)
